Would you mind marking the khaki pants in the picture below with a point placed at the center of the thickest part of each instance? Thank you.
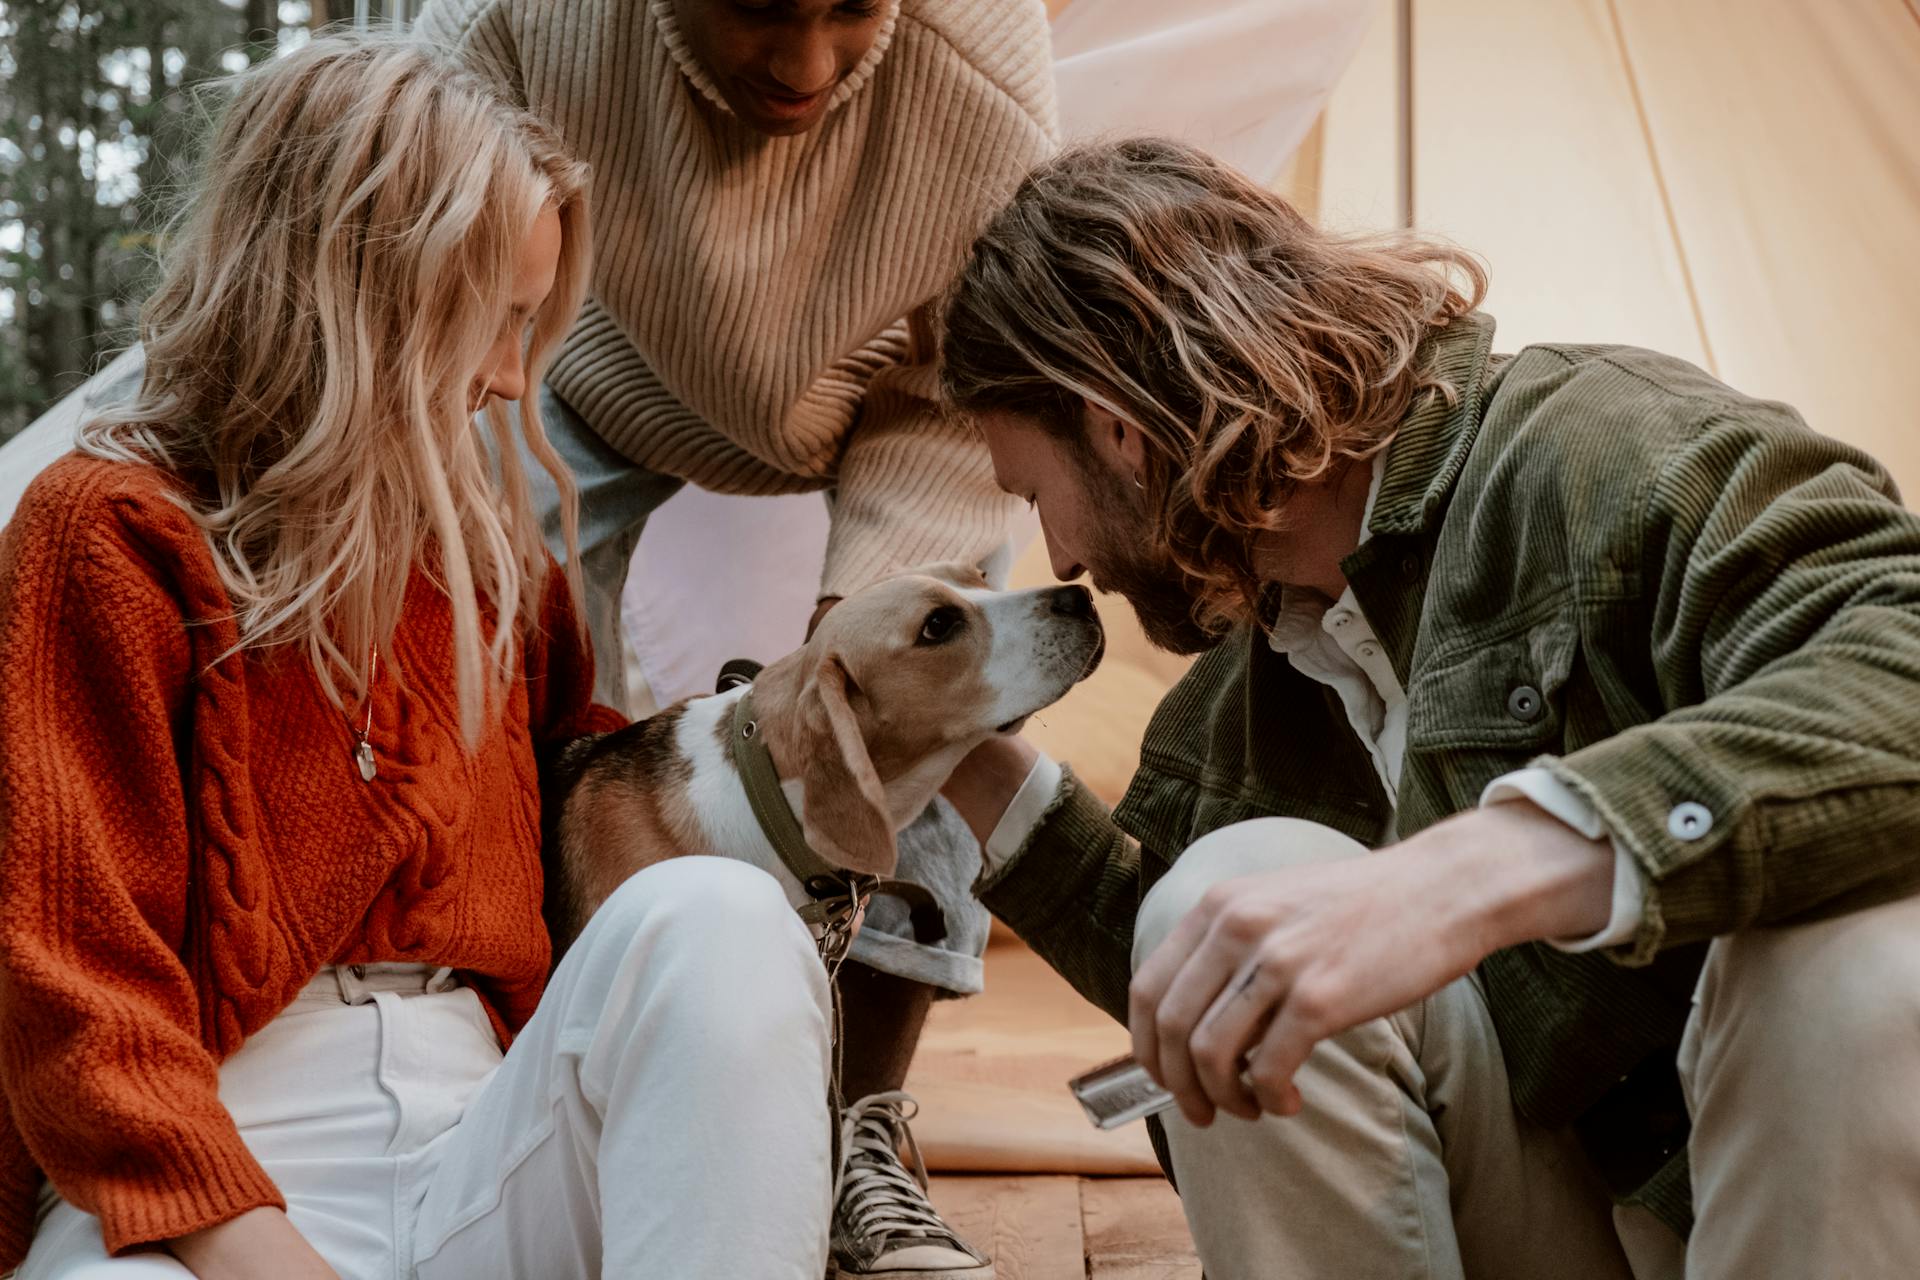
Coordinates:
(1799, 1063)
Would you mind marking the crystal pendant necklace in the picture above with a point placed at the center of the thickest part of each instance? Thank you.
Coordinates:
(363, 749)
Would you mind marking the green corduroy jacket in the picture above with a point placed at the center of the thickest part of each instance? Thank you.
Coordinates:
(1695, 611)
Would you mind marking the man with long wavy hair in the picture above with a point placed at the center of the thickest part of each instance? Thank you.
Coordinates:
(1612, 665)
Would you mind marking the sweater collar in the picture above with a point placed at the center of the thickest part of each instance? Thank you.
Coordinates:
(697, 75)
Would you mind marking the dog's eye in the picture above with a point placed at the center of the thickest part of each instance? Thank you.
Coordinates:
(940, 626)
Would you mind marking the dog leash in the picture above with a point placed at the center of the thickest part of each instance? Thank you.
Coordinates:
(837, 896)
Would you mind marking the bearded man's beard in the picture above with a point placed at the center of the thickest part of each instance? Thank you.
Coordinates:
(1128, 562)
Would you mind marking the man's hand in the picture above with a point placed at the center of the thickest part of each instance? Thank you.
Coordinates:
(819, 612)
(1269, 965)
(260, 1242)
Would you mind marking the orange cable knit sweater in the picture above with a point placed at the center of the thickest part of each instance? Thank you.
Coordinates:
(187, 842)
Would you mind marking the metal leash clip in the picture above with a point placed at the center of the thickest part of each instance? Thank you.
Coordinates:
(835, 910)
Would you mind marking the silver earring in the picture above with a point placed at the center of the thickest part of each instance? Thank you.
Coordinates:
(1138, 483)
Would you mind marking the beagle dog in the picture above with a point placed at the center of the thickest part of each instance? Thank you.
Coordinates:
(862, 725)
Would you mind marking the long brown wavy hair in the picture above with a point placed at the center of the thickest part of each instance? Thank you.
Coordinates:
(340, 270)
(1253, 350)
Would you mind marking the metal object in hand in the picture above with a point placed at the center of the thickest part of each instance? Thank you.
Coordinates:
(1119, 1092)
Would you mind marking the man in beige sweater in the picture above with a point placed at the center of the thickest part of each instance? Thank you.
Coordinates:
(780, 187)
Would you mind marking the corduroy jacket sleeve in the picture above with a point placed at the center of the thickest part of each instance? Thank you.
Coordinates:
(1072, 893)
(104, 1071)
(1784, 784)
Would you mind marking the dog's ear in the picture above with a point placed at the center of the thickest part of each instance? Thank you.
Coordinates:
(954, 573)
(846, 816)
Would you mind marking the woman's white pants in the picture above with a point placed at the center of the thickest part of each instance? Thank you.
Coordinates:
(664, 1112)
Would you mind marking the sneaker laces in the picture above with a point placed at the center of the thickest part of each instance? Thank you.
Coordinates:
(876, 1197)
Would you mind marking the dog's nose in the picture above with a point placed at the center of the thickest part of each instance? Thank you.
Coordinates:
(1071, 602)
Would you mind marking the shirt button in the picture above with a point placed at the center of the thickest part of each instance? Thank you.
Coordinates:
(1341, 617)
(1368, 649)
(1689, 821)
(1525, 704)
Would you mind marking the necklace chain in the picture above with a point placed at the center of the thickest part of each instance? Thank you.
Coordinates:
(363, 756)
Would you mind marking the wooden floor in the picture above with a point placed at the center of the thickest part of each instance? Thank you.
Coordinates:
(1060, 1227)
(1017, 1168)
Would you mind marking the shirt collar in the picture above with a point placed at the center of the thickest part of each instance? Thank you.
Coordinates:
(1296, 622)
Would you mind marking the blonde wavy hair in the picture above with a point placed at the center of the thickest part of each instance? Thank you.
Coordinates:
(335, 279)
(1252, 349)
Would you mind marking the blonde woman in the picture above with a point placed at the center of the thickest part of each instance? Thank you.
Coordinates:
(281, 645)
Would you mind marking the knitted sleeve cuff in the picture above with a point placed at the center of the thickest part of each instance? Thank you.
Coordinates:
(197, 1178)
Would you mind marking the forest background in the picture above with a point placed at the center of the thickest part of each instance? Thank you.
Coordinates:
(98, 117)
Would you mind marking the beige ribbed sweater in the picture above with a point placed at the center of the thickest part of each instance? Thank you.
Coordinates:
(746, 330)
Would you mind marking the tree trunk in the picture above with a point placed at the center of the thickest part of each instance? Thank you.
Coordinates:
(263, 28)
